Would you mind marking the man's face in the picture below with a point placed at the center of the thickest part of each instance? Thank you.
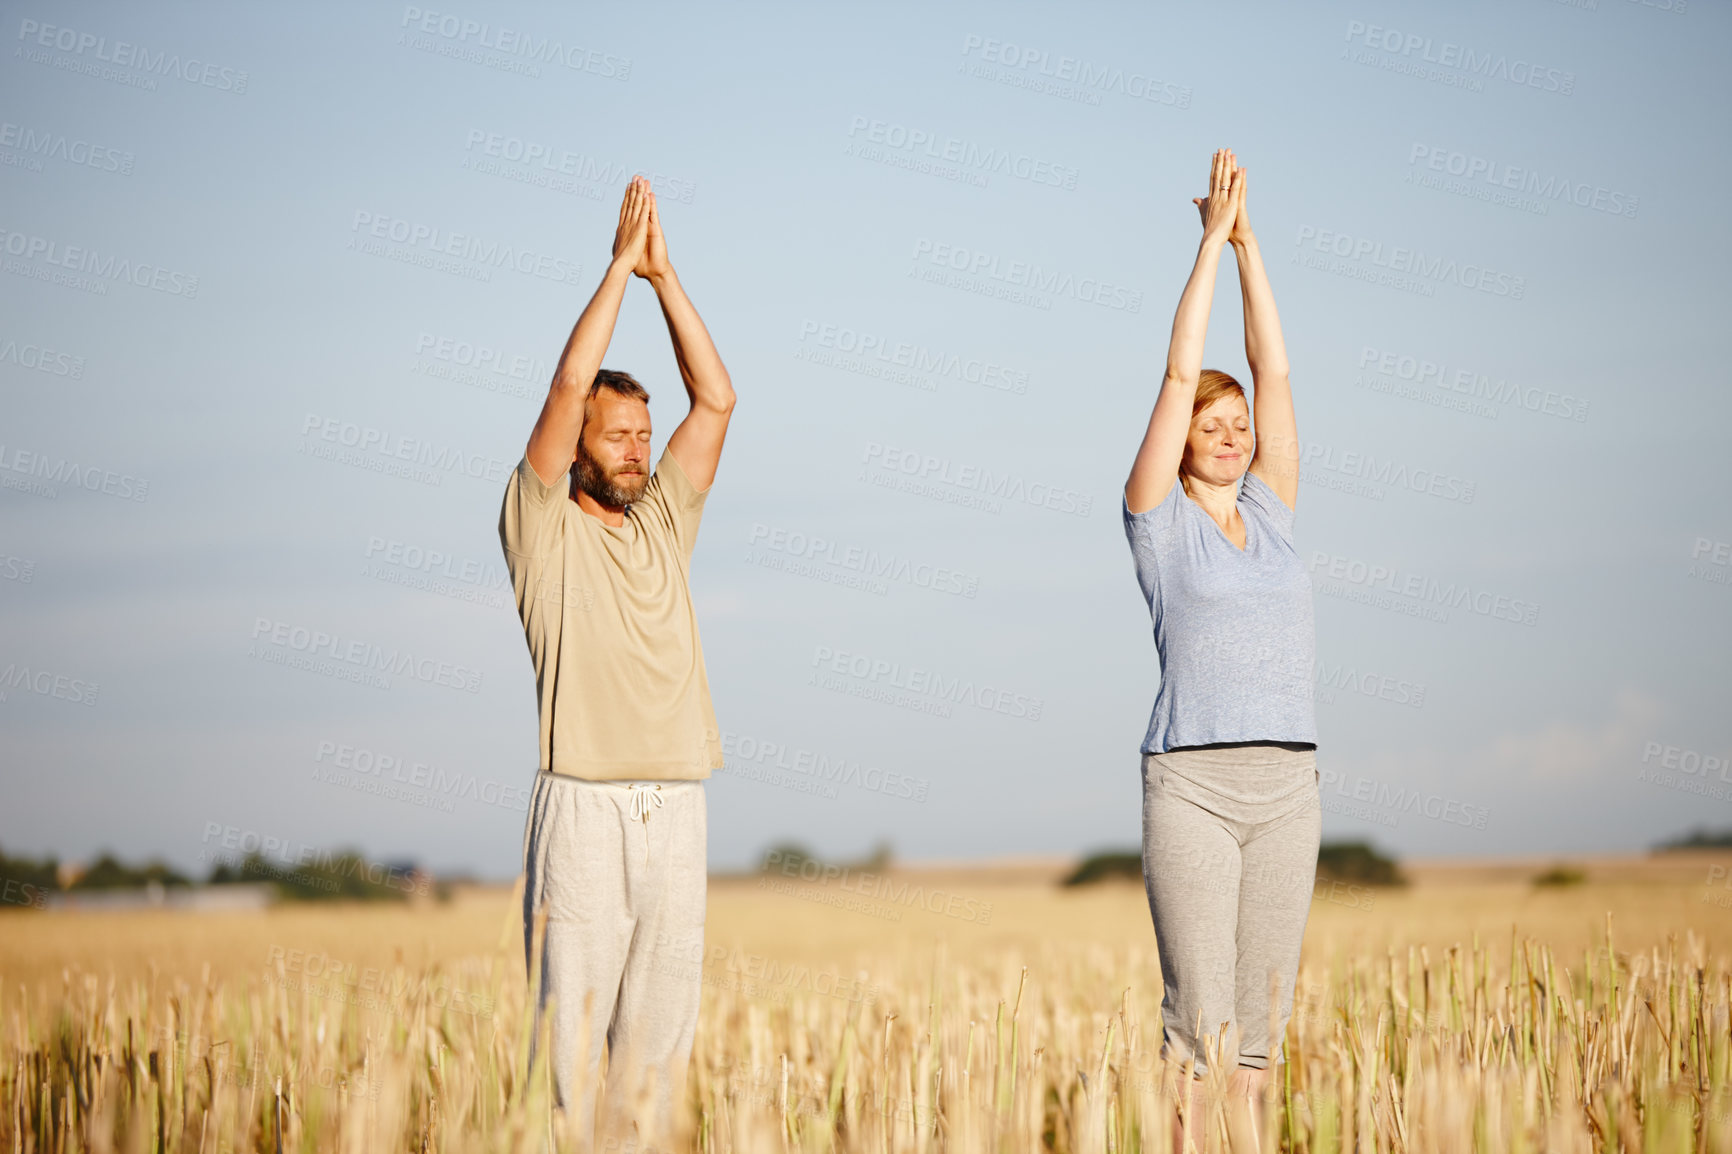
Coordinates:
(612, 462)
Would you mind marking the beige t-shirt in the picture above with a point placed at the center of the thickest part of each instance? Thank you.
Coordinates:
(619, 669)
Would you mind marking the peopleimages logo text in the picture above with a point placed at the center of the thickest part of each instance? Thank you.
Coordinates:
(43, 143)
(1501, 175)
(919, 358)
(1024, 275)
(1423, 590)
(858, 558)
(1485, 65)
(364, 655)
(968, 154)
(1085, 74)
(464, 246)
(1688, 761)
(929, 682)
(70, 473)
(367, 439)
(1472, 383)
(47, 683)
(43, 360)
(123, 54)
(1006, 486)
(1411, 262)
(407, 771)
(757, 753)
(515, 42)
(106, 266)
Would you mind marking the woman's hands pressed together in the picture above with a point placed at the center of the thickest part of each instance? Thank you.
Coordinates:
(1223, 210)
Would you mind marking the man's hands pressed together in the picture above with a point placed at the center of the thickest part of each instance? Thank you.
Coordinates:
(631, 238)
(653, 264)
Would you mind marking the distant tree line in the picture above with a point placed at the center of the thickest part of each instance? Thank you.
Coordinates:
(1355, 862)
(344, 875)
(1699, 839)
(789, 857)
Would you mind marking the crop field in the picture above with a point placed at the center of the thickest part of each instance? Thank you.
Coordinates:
(962, 1010)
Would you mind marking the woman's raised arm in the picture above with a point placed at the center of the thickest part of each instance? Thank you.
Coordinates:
(1276, 459)
(1163, 447)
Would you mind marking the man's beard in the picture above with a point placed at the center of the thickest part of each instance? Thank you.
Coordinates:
(592, 478)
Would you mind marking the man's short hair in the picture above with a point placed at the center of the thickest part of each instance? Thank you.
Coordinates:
(622, 383)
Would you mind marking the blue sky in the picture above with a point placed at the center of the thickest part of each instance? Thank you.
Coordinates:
(282, 289)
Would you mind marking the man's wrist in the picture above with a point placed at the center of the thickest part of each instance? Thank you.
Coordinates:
(661, 280)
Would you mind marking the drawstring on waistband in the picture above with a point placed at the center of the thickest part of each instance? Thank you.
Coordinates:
(643, 799)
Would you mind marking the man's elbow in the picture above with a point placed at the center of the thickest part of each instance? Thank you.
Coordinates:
(720, 401)
(568, 389)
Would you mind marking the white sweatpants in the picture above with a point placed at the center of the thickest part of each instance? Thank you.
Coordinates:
(622, 880)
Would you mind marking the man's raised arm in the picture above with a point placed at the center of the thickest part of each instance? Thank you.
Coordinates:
(697, 443)
(553, 443)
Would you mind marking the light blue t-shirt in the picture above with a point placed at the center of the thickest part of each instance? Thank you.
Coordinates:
(1234, 630)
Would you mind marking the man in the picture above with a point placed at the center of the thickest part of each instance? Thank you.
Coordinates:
(614, 845)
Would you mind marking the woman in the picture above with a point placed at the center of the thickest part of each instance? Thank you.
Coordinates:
(1231, 816)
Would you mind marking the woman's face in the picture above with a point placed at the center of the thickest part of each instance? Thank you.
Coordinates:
(1218, 447)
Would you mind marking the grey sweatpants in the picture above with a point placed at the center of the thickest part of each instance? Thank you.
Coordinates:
(622, 882)
(1229, 861)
